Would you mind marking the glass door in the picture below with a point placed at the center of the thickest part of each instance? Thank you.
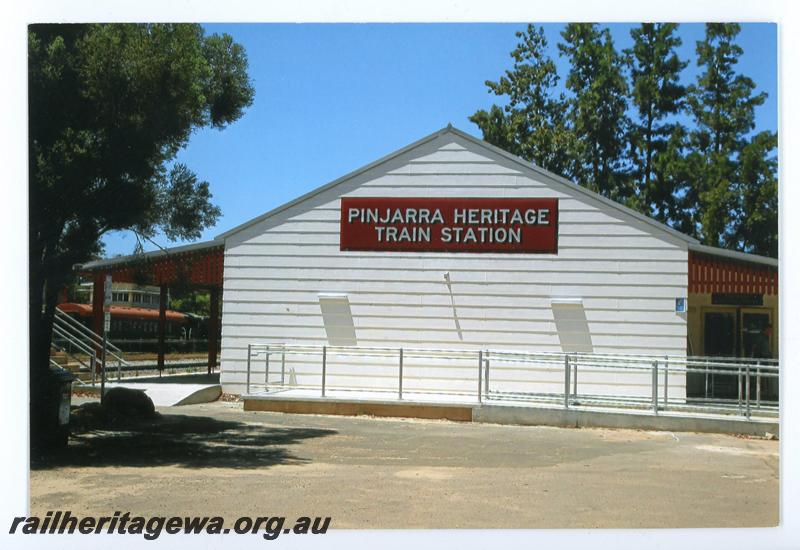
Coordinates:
(757, 343)
(756, 334)
(719, 340)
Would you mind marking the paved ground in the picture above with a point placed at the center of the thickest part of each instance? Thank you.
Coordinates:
(215, 459)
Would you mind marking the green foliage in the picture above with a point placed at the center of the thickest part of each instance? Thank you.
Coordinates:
(711, 180)
(597, 110)
(657, 142)
(110, 105)
(756, 219)
(198, 303)
(722, 104)
(533, 123)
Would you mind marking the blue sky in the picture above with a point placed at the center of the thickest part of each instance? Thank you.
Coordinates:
(333, 97)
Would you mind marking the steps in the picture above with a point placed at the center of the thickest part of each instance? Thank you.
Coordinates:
(60, 357)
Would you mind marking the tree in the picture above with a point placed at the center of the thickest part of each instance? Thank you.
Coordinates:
(109, 108)
(709, 178)
(657, 141)
(722, 104)
(198, 303)
(597, 110)
(532, 124)
(755, 224)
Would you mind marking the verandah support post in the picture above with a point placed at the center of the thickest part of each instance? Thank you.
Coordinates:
(162, 326)
(213, 329)
(107, 299)
(98, 292)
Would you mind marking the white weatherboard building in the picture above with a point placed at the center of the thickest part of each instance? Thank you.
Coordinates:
(610, 287)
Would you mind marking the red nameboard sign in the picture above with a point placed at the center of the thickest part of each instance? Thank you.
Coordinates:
(522, 226)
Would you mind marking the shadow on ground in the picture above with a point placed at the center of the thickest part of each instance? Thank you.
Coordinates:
(183, 441)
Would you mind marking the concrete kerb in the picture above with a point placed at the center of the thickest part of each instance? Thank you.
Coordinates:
(515, 415)
(572, 418)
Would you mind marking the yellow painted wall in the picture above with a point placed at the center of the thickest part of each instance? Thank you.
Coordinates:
(700, 303)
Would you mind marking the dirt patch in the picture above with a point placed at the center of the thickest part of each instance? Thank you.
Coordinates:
(391, 473)
(230, 397)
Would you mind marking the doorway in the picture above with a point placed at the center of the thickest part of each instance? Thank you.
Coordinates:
(719, 335)
(736, 332)
(720, 339)
(757, 342)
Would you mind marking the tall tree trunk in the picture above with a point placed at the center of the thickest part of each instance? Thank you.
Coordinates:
(40, 328)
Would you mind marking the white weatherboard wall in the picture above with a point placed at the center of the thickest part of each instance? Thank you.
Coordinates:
(626, 273)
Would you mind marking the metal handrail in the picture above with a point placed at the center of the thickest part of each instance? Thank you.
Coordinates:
(90, 352)
(77, 343)
(85, 347)
(79, 333)
(658, 366)
(89, 333)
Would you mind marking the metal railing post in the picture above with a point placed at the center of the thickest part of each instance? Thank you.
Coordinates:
(400, 377)
(747, 389)
(486, 376)
(324, 367)
(119, 370)
(739, 386)
(266, 370)
(655, 387)
(566, 381)
(666, 381)
(93, 366)
(249, 346)
(749, 398)
(758, 384)
(575, 377)
(480, 375)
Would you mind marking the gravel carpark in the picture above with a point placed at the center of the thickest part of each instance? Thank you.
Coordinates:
(216, 459)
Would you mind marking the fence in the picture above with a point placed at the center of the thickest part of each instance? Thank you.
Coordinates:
(657, 383)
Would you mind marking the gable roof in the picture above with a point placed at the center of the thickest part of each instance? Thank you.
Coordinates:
(526, 166)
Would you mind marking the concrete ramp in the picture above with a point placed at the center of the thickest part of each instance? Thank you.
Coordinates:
(171, 395)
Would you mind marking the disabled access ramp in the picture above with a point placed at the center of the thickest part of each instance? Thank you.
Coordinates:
(498, 411)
